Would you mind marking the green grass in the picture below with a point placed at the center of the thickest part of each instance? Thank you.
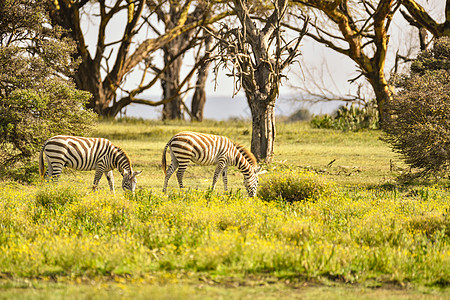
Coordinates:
(360, 157)
(362, 236)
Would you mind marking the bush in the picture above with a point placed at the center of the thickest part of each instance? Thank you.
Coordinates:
(28, 117)
(291, 186)
(37, 100)
(418, 122)
(351, 118)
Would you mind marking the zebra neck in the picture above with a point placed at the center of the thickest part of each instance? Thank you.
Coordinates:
(242, 164)
(122, 162)
(243, 160)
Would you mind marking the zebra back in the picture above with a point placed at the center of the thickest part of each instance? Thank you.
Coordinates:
(85, 153)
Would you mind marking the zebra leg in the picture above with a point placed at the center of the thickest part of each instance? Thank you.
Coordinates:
(220, 167)
(110, 178)
(53, 172)
(173, 166)
(225, 178)
(180, 173)
(98, 175)
(49, 172)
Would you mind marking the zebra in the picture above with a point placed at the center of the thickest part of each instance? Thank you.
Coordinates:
(87, 154)
(207, 149)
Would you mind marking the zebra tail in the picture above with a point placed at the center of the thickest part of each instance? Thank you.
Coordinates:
(41, 162)
(163, 161)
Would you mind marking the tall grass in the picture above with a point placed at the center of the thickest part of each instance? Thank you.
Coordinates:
(351, 235)
(372, 232)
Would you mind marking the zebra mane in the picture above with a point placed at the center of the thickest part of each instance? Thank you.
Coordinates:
(247, 154)
(120, 151)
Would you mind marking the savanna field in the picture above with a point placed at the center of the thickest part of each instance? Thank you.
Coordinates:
(347, 228)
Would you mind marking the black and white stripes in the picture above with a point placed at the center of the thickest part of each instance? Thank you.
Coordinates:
(87, 154)
(206, 149)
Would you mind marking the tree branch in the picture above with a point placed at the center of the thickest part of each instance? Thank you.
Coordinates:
(425, 20)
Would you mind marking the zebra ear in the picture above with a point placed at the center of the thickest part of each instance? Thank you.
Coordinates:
(136, 173)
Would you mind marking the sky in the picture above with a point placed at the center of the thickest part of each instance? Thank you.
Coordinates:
(318, 64)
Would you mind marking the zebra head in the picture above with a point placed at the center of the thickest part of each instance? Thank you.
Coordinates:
(251, 181)
(129, 180)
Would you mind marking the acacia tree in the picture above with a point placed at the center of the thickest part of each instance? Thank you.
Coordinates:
(257, 57)
(103, 74)
(359, 30)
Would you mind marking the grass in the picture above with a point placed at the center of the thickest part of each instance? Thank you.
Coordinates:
(363, 236)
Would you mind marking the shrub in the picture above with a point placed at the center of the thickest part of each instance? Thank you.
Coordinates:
(418, 122)
(291, 186)
(323, 122)
(37, 100)
(350, 118)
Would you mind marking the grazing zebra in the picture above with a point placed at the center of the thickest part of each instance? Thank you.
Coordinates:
(206, 149)
(87, 154)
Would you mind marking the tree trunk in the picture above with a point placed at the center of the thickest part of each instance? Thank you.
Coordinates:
(383, 93)
(199, 98)
(88, 79)
(89, 75)
(174, 109)
(263, 126)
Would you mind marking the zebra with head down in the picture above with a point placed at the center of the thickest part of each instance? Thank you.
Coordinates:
(87, 154)
(207, 149)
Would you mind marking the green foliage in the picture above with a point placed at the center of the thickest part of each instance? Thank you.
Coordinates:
(291, 186)
(36, 98)
(323, 121)
(351, 118)
(434, 60)
(418, 126)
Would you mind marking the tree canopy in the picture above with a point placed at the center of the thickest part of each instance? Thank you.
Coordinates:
(37, 98)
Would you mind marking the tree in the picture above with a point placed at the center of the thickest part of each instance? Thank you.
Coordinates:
(199, 97)
(358, 30)
(102, 73)
(419, 122)
(173, 52)
(257, 57)
(419, 14)
(36, 98)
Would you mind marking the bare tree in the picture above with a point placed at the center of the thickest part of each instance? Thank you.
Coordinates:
(169, 14)
(358, 29)
(257, 58)
(102, 73)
